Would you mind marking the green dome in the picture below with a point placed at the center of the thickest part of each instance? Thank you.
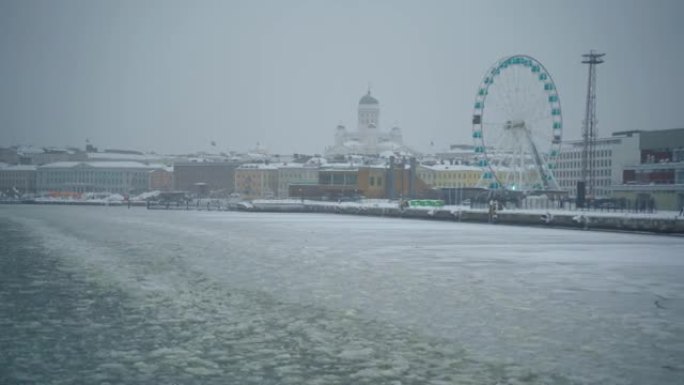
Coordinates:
(368, 99)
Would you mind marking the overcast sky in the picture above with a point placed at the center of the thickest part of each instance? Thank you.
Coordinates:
(172, 76)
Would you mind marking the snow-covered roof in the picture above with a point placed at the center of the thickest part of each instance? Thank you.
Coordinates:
(104, 164)
(161, 167)
(299, 165)
(375, 166)
(26, 150)
(101, 156)
(19, 167)
(452, 167)
(30, 150)
(260, 166)
(341, 166)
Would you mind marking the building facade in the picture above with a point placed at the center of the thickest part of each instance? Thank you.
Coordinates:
(16, 180)
(257, 180)
(336, 183)
(656, 179)
(81, 177)
(9, 155)
(372, 182)
(368, 138)
(295, 174)
(659, 183)
(394, 180)
(449, 175)
(214, 176)
(161, 179)
(610, 156)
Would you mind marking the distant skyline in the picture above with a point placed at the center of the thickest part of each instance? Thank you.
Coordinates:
(172, 76)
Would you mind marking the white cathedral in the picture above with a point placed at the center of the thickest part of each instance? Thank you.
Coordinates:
(367, 139)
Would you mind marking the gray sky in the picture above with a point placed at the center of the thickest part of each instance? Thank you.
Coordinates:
(171, 76)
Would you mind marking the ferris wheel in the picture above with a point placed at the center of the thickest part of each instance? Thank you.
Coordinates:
(517, 126)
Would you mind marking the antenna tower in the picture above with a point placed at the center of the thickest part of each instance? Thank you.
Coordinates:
(590, 131)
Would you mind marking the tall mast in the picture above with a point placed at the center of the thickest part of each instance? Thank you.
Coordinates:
(590, 131)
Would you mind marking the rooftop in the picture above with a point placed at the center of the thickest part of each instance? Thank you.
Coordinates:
(452, 167)
(118, 164)
(20, 167)
(368, 99)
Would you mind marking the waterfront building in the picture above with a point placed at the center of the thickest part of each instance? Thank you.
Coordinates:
(397, 179)
(372, 181)
(80, 177)
(210, 176)
(161, 179)
(257, 180)
(338, 182)
(636, 166)
(449, 175)
(657, 177)
(16, 180)
(610, 155)
(296, 174)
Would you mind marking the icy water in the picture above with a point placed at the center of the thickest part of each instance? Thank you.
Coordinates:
(96, 295)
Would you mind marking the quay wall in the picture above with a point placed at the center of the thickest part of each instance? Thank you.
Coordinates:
(586, 220)
(577, 220)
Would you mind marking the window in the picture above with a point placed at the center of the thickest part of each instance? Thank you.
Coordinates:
(372, 181)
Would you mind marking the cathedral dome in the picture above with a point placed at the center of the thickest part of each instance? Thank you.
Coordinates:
(368, 99)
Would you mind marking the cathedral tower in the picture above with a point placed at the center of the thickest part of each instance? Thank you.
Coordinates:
(369, 112)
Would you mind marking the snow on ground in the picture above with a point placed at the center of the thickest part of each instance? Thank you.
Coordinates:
(146, 195)
(593, 213)
(383, 203)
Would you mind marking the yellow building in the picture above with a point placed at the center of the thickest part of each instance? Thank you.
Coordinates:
(449, 175)
(372, 181)
(256, 180)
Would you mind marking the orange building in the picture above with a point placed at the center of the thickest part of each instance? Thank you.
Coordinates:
(161, 179)
(397, 182)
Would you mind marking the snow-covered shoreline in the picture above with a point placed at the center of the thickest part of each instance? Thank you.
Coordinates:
(664, 222)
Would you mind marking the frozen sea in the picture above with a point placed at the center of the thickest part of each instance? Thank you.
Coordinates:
(109, 295)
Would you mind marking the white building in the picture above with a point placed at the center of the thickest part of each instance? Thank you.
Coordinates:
(368, 139)
(657, 180)
(610, 156)
(79, 177)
